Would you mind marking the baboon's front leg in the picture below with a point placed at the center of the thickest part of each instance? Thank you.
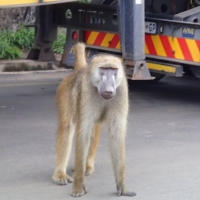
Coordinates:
(93, 148)
(117, 151)
(83, 135)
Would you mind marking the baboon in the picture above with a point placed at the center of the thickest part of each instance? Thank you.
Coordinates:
(94, 94)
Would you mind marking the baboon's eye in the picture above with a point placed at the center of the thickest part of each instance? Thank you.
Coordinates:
(108, 71)
(111, 68)
(114, 70)
(102, 73)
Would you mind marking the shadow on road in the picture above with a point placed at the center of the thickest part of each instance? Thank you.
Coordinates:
(185, 89)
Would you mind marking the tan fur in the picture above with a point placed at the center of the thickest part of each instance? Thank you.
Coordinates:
(80, 108)
(80, 60)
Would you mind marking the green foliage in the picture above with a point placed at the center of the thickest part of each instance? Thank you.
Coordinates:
(23, 38)
(58, 45)
(11, 42)
(85, 1)
(9, 52)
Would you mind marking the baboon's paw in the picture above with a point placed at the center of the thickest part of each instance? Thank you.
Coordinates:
(78, 191)
(130, 194)
(89, 170)
(61, 178)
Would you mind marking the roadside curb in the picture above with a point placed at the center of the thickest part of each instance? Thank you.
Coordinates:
(22, 69)
(36, 72)
(34, 75)
(25, 65)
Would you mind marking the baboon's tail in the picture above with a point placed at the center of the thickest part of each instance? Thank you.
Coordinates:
(80, 59)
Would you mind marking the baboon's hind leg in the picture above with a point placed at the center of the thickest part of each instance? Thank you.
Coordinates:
(92, 150)
(65, 135)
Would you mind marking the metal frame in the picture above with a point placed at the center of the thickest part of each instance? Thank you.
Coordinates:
(131, 29)
(173, 27)
(86, 17)
(46, 33)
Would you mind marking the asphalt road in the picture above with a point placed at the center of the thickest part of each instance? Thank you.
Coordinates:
(163, 142)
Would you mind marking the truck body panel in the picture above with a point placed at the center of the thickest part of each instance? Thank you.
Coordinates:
(20, 3)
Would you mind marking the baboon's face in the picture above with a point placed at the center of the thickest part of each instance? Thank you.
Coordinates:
(107, 79)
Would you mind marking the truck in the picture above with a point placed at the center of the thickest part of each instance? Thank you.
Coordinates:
(163, 35)
(154, 38)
